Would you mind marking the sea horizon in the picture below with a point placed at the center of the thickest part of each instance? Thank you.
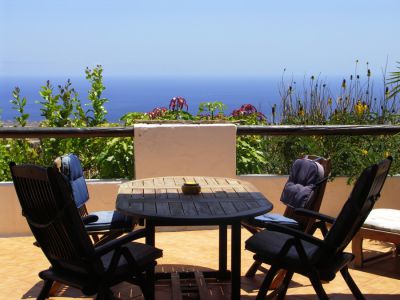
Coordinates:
(143, 94)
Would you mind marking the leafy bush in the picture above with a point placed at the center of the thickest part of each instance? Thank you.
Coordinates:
(311, 104)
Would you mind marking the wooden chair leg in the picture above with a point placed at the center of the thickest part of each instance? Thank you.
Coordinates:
(149, 292)
(316, 283)
(285, 284)
(55, 288)
(266, 283)
(351, 284)
(356, 246)
(253, 269)
(45, 289)
(278, 280)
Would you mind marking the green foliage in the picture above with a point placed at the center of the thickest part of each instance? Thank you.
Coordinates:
(310, 104)
(19, 105)
(313, 104)
(97, 110)
(210, 110)
(116, 160)
(250, 155)
(63, 109)
(100, 157)
(50, 106)
(394, 80)
(131, 118)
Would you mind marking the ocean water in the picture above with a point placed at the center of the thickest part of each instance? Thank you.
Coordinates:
(133, 94)
(128, 94)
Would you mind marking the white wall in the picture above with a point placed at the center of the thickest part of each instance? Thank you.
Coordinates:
(183, 149)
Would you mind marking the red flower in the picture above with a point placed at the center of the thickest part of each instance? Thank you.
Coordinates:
(157, 112)
(178, 103)
(247, 110)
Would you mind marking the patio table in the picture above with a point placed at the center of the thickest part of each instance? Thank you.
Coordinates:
(222, 202)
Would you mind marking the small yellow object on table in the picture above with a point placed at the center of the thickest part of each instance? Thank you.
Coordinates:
(191, 188)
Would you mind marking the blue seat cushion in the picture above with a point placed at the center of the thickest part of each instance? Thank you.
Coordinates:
(110, 220)
(261, 221)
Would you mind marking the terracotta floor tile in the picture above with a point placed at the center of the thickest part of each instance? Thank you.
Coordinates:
(20, 263)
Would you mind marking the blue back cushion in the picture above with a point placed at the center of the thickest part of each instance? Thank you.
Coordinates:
(72, 169)
(299, 188)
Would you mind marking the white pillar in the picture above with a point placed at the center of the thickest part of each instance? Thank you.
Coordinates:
(185, 149)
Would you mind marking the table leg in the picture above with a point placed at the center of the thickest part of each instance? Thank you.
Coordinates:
(223, 248)
(150, 233)
(150, 240)
(235, 260)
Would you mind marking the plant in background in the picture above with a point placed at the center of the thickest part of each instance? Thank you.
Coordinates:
(355, 104)
(19, 105)
(249, 115)
(157, 113)
(311, 104)
(250, 155)
(394, 80)
(250, 150)
(116, 159)
(63, 109)
(96, 115)
(71, 112)
(304, 105)
(17, 150)
(50, 108)
(131, 118)
(177, 105)
(210, 110)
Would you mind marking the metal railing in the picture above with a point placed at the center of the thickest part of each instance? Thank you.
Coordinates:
(269, 130)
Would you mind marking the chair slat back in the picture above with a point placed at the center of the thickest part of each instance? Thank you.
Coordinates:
(47, 204)
(365, 193)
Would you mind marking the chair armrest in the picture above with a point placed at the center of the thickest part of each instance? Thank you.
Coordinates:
(111, 245)
(295, 233)
(314, 214)
(89, 219)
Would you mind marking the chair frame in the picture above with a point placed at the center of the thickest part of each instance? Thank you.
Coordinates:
(323, 269)
(100, 237)
(307, 224)
(48, 206)
(310, 271)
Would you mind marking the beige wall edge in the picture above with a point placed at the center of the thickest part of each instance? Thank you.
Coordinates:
(103, 194)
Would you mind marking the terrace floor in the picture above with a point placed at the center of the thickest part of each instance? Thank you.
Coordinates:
(20, 263)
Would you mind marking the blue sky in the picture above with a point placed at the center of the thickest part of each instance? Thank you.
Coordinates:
(197, 38)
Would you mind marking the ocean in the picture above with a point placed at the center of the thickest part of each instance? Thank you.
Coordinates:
(131, 94)
(134, 94)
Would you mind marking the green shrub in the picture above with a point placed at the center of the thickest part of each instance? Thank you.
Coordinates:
(310, 104)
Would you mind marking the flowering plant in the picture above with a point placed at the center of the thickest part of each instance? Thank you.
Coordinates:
(178, 104)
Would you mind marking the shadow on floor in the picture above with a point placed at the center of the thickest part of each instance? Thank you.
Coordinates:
(63, 291)
(387, 266)
(334, 296)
